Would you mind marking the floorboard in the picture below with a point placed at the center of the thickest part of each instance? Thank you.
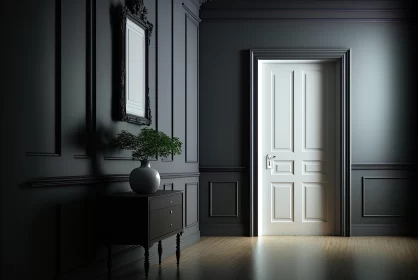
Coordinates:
(290, 258)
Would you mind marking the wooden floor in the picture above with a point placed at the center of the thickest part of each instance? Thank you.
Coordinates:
(291, 258)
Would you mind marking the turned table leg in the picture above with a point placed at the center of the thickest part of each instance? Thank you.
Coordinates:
(160, 251)
(146, 262)
(178, 249)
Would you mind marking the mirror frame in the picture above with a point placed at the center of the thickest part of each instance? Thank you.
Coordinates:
(137, 14)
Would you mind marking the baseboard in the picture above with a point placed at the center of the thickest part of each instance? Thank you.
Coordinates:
(379, 230)
(223, 230)
(169, 249)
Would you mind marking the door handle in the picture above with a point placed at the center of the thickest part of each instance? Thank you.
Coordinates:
(268, 161)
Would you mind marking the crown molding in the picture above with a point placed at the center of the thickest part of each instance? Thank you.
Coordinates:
(198, 3)
(342, 10)
(308, 4)
(357, 15)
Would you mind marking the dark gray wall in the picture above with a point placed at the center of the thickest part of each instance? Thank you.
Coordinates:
(381, 63)
(54, 127)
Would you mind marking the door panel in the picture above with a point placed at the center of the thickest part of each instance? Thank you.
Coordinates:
(298, 128)
(283, 103)
(282, 194)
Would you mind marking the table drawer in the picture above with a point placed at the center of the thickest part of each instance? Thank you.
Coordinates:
(166, 201)
(166, 220)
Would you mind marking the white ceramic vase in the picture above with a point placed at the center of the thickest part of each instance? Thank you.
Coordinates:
(144, 179)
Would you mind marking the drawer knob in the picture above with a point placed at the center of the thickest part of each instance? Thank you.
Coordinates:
(171, 225)
(171, 202)
(171, 211)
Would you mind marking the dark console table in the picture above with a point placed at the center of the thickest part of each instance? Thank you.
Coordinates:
(141, 219)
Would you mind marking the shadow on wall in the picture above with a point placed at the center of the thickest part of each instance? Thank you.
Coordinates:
(412, 111)
(63, 230)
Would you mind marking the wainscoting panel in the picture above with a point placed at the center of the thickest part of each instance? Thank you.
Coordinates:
(384, 196)
(380, 200)
(192, 204)
(223, 201)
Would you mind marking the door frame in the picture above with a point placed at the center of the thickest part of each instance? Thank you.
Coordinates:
(344, 57)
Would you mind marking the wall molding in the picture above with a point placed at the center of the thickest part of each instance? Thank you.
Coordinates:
(211, 183)
(104, 179)
(126, 158)
(378, 230)
(179, 175)
(198, 3)
(156, 26)
(222, 169)
(58, 91)
(353, 15)
(172, 79)
(118, 158)
(90, 78)
(307, 4)
(382, 166)
(194, 17)
(159, 49)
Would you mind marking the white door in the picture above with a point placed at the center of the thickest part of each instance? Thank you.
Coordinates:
(298, 124)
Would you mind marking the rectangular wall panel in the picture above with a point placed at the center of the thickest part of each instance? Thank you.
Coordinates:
(282, 100)
(210, 205)
(79, 91)
(192, 120)
(42, 92)
(282, 201)
(192, 204)
(179, 72)
(378, 194)
(165, 68)
(384, 196)
(223, 199)
(314, 94)
(315, 202)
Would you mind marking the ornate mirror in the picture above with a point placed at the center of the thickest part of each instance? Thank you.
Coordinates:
(136, 34)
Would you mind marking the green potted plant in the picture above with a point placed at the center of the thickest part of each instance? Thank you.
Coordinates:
(147, 144)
